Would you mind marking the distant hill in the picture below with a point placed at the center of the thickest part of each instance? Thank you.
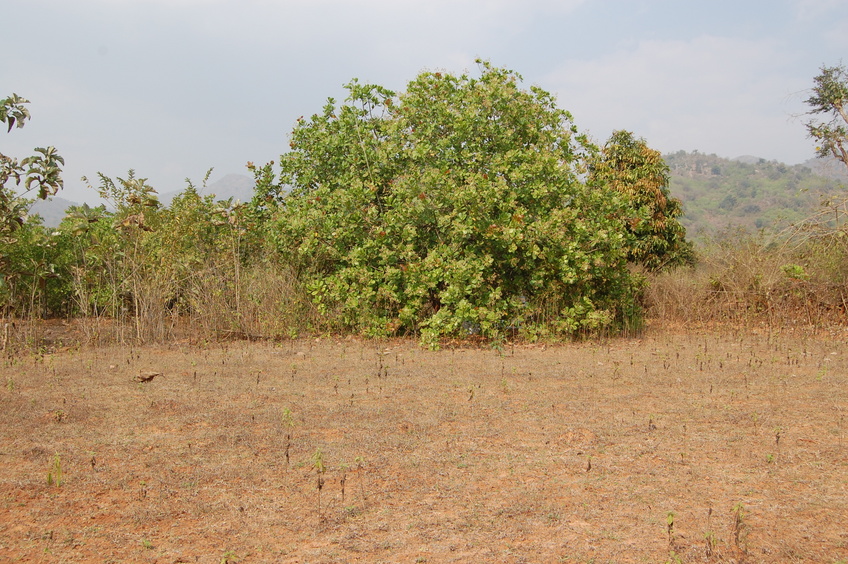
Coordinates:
(829, 168)
(236, 186)
(52, 210)
(748, 159)
(748, 192)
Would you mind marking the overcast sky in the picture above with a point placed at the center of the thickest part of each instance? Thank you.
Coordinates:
(171, 88)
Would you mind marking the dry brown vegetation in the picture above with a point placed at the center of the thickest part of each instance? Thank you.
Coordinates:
(750, 282)
(697, 446)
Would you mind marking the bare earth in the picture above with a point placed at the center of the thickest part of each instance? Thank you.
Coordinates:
(718, 446)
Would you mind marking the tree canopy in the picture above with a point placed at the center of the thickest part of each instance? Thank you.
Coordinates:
(628, 166)
(829, 98)
(459, 205)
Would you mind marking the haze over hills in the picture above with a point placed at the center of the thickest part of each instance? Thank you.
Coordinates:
(829, 168)
(52, 210)
(236, 186)
(718, 194)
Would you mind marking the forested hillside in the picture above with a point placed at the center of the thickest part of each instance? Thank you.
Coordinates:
(748, 192)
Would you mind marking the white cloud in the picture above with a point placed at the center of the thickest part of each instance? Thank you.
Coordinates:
(714, 94)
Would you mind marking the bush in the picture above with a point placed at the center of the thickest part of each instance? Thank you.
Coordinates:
(455, 207)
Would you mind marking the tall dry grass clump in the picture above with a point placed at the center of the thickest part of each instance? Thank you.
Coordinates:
(267, 301)
(257, 300)
(742, 279)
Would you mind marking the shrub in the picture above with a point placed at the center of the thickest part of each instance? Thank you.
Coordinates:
(458, 205)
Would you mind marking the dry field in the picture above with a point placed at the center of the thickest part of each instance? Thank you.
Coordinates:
(681, 446)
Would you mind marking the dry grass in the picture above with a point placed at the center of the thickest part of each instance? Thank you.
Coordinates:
(567, 453)
(751, 283)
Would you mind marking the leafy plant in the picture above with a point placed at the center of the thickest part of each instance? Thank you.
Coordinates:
(740, 527)
(25, 254)
(318, 465)
(674, 558)
(670, 527)
(640, 174)
(457, 205)
(40, 173)
(711, 543)
(287, 419)
(829, 98)
(230, 557)
(360, 469)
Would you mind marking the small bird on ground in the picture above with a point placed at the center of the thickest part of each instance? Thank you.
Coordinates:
(146, 376)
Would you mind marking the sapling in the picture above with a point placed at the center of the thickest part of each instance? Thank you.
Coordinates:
(288, 447)
(318, 464)
(287, 419)
(740, 527)
(287, 422)
(360, 463)
(670, 526)
(54, 475)
(343, 479)
(504, 386)
(711, 542)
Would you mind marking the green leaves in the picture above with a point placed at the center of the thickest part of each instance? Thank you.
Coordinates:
(829, 97)
(44, 172)
(41, 172)
(13, 111)
(638, 173)
(454, 206)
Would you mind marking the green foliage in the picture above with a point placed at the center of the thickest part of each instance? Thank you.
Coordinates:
(36, 272)
(149, 267)
(829, 98)
(455, 206)
(13, 111)
(629, 166)
(25, 250)
(54, 476)
(149, 261)
(40, 173)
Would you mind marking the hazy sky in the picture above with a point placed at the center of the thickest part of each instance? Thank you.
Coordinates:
(174, 87)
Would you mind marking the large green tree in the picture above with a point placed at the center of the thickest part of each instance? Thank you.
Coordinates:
(458, 205)
(628, 166)
(829, 99)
